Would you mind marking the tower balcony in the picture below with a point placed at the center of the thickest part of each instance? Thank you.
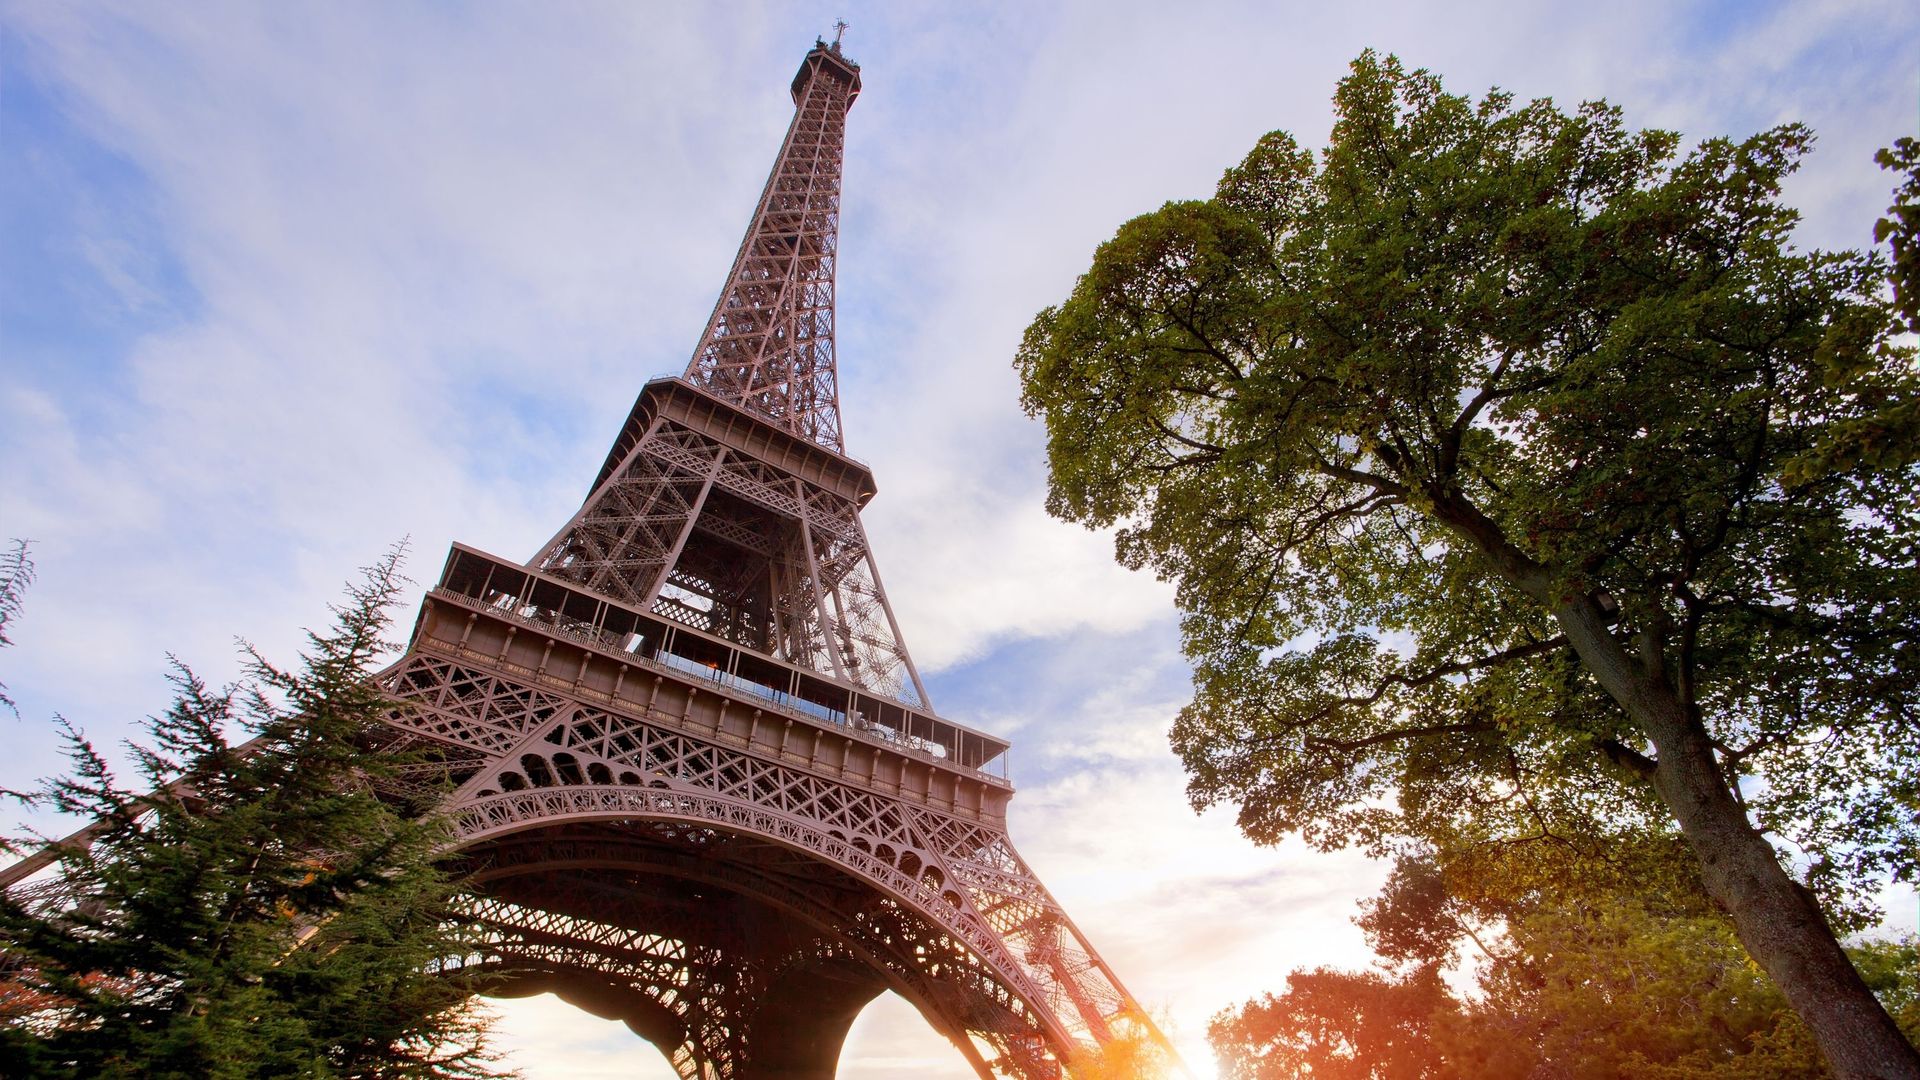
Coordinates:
(565, 636)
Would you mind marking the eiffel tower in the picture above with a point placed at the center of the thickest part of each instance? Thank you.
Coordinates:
(698, 782)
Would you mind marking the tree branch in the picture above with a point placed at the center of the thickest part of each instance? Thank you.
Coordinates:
(1398, 734)
(1208, 449)
(1433, 675)
(1357, 476)
(1425, 678)
(1626, 757)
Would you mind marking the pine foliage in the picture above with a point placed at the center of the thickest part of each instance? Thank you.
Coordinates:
(16, 573)
(247, 909)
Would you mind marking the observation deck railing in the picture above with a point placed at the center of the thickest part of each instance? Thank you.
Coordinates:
(515, 594)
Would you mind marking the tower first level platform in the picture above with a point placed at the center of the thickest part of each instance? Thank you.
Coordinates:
(558, 636)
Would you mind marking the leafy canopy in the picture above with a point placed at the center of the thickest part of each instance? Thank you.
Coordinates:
(1595, 983)
(1382, 412)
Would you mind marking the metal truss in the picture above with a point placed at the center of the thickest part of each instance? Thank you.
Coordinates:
(687, 764)
(553, 761)
(768, 346)
(749, 955)
(714, 538)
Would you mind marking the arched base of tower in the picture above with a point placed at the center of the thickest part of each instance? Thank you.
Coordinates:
(738, 958)
(798, 1031)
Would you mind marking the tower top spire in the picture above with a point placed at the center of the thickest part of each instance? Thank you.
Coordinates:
(827, 57)
(768, 346)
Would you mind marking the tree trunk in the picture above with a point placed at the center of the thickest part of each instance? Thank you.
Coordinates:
(1778, 920)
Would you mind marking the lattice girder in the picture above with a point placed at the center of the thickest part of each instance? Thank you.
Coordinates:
(768, 346)
(791, 931)
(575, 762)
(709, 535)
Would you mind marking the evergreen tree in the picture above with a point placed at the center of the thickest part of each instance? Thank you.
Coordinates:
(16, 573)
(261, 910)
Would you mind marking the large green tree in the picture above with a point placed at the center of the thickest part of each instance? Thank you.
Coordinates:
(248, 909)
(1492, 452)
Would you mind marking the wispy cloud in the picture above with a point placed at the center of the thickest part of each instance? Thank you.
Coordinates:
(326, 275)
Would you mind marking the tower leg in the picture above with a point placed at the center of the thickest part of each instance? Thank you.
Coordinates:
(802, 1023)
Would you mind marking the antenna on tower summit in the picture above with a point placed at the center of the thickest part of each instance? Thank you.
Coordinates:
(839, 30)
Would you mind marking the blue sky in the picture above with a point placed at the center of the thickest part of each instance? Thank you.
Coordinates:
(283, 283)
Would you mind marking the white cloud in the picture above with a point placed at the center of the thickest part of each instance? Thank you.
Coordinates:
(433, 252)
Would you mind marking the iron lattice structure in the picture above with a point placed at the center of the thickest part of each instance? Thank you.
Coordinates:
(696, 780)
(769, 343)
